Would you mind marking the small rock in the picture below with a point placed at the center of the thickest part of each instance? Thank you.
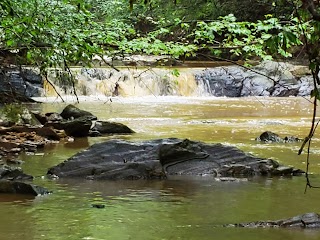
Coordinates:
(98, 205)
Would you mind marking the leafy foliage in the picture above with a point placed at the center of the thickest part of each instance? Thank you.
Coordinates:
(15, 113)
(60, 33)
(48, 33)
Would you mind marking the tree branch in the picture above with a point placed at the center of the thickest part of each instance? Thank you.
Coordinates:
(310, 6)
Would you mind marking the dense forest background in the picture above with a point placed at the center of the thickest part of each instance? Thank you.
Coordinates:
(47, 33)
(50, 34)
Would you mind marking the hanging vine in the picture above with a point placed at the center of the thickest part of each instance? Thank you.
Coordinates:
(308, 12)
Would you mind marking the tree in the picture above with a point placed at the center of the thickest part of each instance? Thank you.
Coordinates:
(309, 13)
(47, 33)
(57, 34)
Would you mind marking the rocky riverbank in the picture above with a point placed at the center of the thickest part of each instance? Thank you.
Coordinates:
(48, 128)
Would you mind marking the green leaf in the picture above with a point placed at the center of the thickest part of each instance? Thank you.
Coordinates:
(175, 72)
(10, 42)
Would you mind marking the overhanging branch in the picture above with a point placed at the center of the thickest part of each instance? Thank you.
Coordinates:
(311, 7)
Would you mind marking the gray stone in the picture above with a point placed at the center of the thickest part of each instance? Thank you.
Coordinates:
(72, 112)
(269, 137)
(25, 82)
(94, 73)
(266, 79)
(221, 81)
(117, 159)
(77, 127)
(105, 127)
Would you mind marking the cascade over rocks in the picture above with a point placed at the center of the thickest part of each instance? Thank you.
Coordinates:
(307, 220)
(118, 159)
(277, 79)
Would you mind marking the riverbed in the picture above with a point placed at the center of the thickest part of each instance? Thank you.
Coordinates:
(179, 207)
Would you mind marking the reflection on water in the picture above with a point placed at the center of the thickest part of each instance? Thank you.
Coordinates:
(180, 207)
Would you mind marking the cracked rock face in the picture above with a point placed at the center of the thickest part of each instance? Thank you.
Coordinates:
(266, 79)
(117, 159)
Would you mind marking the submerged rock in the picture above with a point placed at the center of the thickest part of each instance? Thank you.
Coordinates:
(269, 137)
(117, 159)
(22, 188)
(13, 173)
(307, 220)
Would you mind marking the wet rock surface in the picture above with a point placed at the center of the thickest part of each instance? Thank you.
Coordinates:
(14, 181)
(13, 173)
(307, 220)
(72, 112)
(117, 159)
(278, 79)
(52, 127)
(106, 127)
(16, 187)
(78, 123)
(77, 127)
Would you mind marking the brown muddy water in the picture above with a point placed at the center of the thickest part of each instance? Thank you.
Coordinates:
(180, 207)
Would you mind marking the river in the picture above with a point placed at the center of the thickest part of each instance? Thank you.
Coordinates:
(180, 207)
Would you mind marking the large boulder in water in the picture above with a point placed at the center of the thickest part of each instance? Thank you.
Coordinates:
(78, 127)
(72, 112)
(105, 127)
(117, 159)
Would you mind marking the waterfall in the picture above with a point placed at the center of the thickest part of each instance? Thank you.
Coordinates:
(128, 82)
(229, 81)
